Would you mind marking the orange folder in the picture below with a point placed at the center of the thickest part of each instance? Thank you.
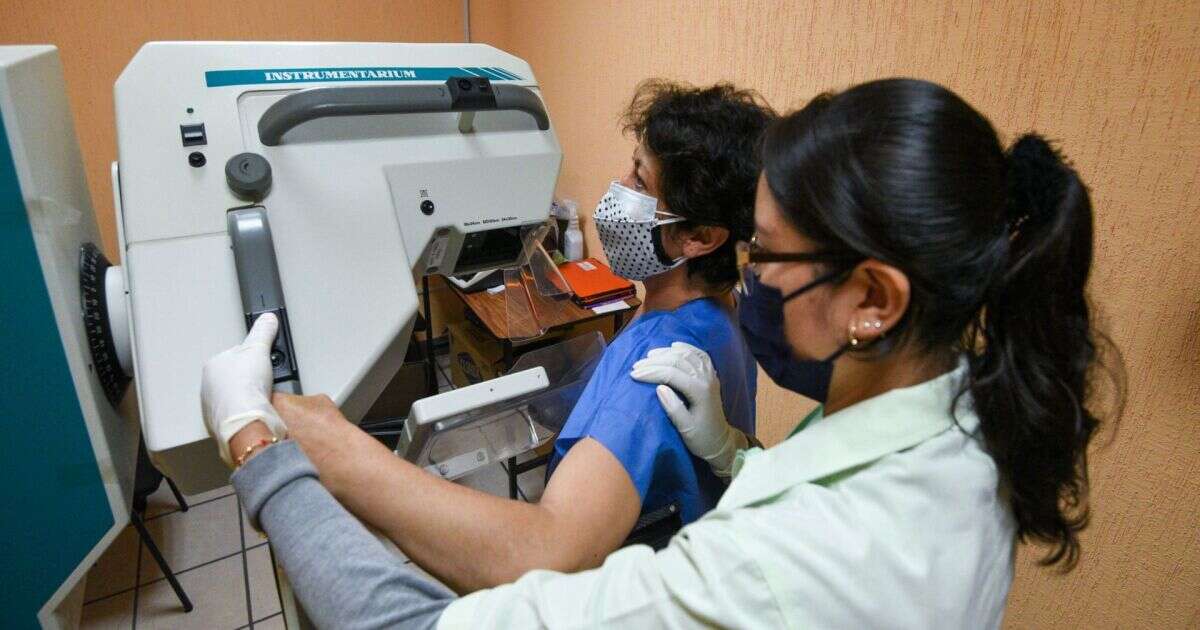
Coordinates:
(593, 282)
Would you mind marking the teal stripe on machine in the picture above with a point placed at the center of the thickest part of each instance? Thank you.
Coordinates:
(492, 74)
(505, 74)
(55, 506)
(267, 76)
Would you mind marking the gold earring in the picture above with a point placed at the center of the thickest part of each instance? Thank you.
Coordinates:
(851, 335)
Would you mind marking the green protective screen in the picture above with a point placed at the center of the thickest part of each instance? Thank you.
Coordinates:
(54, 504)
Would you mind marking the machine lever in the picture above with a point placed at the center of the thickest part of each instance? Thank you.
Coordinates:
(258, 280)
(459, 94)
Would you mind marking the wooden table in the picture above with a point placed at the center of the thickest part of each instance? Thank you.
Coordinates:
(551, 313)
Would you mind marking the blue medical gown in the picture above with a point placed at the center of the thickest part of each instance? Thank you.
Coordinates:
(625, 416)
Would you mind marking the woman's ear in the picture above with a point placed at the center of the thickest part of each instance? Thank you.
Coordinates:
(697, 241)
(884, 297)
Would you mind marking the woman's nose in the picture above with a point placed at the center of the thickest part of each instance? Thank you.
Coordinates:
(627, 180)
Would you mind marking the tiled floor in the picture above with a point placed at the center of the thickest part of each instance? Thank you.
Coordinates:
(223, 565)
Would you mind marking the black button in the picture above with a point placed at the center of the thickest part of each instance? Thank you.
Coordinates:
(276, 358)
(197, 159)
(193, 135)
(427, 206)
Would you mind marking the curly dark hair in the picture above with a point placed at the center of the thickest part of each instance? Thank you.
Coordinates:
(705, 141)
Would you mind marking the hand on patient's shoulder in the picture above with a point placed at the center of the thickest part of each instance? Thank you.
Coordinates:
(683, 369)
(690, 393)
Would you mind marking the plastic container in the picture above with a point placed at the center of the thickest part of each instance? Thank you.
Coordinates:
(573, 237)
(560, 214)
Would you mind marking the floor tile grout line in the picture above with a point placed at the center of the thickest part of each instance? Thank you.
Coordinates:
(245, 566)
(193, 568)
(160, 579)
(111, 595)
(139, 553)
(190, 506)
(202, 564)
(137, 578)
(267, 618)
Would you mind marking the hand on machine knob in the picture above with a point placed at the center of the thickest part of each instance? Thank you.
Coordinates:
(686, 370)
(236, 387)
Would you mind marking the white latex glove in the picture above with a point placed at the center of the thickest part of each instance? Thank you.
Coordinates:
(687, 370)
(235, 388)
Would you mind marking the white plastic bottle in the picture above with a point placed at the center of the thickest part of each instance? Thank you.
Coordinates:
(573, 239)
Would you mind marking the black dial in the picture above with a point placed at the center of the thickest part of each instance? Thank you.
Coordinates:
(92, 268)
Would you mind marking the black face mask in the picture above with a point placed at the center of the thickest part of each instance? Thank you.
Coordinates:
(760, 315)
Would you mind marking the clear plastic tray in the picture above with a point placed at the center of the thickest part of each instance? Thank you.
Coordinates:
(458, 445)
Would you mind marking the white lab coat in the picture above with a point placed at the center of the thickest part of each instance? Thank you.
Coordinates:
(883, 515)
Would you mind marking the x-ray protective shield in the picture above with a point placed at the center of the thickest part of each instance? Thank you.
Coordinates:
(68, 474)
(545, 384)
(373, 162)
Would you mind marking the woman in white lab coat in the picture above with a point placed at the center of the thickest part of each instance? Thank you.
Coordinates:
(944, 277)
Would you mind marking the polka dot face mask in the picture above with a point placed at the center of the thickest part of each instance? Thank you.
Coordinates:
(626, 220)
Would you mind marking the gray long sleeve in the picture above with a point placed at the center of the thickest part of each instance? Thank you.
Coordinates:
(343, 576)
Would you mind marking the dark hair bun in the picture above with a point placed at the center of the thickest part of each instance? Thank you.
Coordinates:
(1038, 179)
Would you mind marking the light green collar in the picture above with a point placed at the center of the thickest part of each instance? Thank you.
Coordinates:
(812, 416)
(855, 436)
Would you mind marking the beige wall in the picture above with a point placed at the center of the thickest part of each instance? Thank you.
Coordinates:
(1117, 83)
(97, 39)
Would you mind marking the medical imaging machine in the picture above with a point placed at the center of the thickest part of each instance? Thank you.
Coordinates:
(310, 180)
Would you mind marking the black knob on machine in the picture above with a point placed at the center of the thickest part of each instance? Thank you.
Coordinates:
(248, 176)
(93, 267)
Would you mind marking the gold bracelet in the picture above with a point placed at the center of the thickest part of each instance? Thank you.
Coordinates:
(263, 443)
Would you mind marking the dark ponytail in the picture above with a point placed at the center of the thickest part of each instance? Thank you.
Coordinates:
(1030, 383)
(997, 247)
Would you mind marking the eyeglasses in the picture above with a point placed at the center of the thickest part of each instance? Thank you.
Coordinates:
(749, 254)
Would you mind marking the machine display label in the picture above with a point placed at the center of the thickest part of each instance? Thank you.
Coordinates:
(437, 251)
(261, 76)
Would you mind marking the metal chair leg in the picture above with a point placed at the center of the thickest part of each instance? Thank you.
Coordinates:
(162, 563)
(183, 506)
(511, 469)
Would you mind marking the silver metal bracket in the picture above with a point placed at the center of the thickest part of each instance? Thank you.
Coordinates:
(466, 122)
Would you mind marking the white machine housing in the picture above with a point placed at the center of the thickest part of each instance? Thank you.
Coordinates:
(345, 212)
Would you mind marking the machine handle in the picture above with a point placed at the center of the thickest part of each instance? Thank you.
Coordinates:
(459, 94)
(258, 280)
